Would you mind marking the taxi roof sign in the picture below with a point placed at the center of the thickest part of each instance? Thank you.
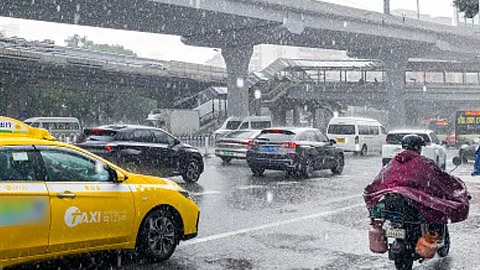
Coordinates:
(10, 127)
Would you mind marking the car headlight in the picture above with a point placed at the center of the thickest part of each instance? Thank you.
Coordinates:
(185, 193)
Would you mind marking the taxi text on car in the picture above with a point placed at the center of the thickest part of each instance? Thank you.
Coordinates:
(57, 199)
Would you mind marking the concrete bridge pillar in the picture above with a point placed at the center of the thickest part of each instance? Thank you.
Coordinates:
(237, 60)
(395, 83)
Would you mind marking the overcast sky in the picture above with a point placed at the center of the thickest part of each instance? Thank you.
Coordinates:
(169, 47)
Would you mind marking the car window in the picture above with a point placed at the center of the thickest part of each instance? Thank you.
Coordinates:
(17, 165)
(310, 136)
(363, 130)
(276, 136)
(434, 138)
(261, 124)
(244, 125)
(383, 130)
(143, 135)
(320, 136)
(233, 124)
(100, 135)
(62, 165)
(241, 134)
(341, 129)
(162, 137)
(396, 138)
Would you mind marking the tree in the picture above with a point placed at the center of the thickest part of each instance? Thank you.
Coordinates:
(470, 7)
(77, 41)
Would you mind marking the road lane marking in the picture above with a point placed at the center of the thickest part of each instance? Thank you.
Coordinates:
(207, 192)
(268, 225)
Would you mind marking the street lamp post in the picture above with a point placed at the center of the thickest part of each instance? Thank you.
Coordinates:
(257, 94)
(418, 9)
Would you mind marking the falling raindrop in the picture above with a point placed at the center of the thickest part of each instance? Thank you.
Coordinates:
(269, 197)
(240, 82)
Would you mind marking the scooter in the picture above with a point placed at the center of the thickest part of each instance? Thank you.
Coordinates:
(398, 228)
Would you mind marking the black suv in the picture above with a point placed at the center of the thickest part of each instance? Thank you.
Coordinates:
(144, 150)
(299, 151)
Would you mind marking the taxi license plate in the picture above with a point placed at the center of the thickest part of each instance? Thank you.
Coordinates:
(341, 140)
(395, 233)
(226, 153)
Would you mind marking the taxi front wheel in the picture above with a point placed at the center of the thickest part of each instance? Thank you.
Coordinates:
(159, 236)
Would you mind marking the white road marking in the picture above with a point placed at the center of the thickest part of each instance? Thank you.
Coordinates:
(207, 192)
(268, 225)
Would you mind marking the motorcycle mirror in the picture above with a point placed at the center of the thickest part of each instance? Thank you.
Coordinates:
(457, 161)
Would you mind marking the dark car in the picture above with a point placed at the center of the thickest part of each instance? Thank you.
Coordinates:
(298, 151)
(144, 150)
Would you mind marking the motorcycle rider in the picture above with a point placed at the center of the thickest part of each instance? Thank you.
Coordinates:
(438, 196)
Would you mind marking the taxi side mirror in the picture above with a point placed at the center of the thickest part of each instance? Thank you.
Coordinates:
(120, 177)
(117, 176)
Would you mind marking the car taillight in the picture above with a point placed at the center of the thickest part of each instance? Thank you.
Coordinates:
(108, 147)
(357, 140)
(290, 147)
(289, 144)
(251, 143)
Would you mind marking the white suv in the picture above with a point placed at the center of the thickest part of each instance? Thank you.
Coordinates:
(433, 149)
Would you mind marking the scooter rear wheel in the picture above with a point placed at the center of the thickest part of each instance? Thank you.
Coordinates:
(404, 263)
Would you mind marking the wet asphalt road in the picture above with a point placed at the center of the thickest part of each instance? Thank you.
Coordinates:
(274, 222)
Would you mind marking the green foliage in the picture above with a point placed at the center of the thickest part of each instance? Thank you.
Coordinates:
(77, 41)
(92, 108)
(470, 7)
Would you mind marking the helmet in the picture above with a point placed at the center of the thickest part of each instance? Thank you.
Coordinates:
(413, 142)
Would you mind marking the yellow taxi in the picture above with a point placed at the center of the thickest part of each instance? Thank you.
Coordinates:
(57, 199)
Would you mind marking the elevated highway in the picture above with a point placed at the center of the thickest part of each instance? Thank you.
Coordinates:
(32, 65)
(236, 25)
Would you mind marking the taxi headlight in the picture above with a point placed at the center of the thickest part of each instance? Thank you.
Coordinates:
(185, 193)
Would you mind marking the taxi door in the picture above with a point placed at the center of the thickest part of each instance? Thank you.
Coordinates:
(89, 209)
(24, 205)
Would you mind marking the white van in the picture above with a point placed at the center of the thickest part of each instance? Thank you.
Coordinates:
(64, 129)
(358, 135)
(249, 122)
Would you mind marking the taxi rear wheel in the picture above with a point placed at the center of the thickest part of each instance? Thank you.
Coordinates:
(159, 236)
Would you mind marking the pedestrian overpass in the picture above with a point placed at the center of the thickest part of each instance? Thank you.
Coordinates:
(430, 87)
